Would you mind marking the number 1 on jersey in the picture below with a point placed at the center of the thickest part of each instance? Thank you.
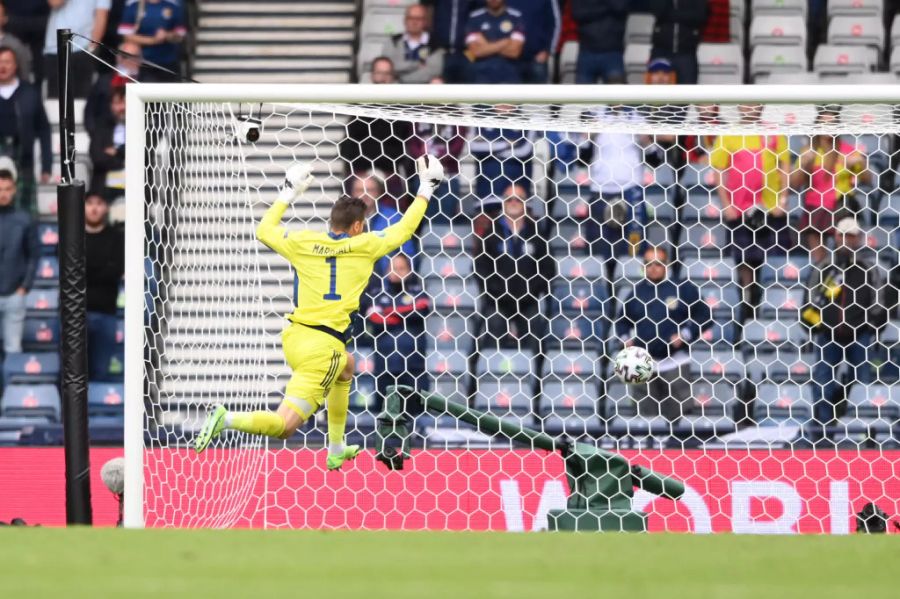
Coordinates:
(332, 287)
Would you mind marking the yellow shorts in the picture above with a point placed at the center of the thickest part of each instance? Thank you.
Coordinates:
(316, 360)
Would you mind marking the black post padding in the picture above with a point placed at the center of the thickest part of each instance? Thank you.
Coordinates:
(73, 351)
(72, 304)
(66, 106)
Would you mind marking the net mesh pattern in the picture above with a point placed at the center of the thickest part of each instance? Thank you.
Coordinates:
(521, 317)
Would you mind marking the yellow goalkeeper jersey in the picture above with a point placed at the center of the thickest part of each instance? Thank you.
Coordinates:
(333, 270)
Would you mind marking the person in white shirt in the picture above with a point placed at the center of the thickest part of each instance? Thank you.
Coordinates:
(85, 18)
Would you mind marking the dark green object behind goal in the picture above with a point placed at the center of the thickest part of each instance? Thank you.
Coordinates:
(601, 483)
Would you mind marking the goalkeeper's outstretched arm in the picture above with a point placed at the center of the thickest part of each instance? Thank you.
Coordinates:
(270, 232)
(430, 172)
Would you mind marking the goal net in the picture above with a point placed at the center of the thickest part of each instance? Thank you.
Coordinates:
(745, 237)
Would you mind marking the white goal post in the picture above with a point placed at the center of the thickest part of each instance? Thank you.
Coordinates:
(176, 149)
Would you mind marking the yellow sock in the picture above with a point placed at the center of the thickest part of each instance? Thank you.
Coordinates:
(256, 423)
(338, 403)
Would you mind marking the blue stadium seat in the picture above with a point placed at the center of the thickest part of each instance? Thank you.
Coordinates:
(445, 239)
(628, 269)
(569, 397)
(105, 399)
(716, 269)
(48, 237)
(707, 240)
(506, 362)
(452, 294)
(567, 363)
(766, 366)
(782, 300)
(11, 429)
(711, 399)
(42, 303)
(447, 266)
(443, 361)
(723, 300)
(578, 297)
(572, 267)
(31, 368)
(715, 366)
(782, 403)
(41, 334)
(579, 331)
(47, 272)
(450, 332)
(762, 333)
(783, 271)
(23, 401)
(507, 395)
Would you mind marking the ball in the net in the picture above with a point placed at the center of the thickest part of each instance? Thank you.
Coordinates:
(633, 365)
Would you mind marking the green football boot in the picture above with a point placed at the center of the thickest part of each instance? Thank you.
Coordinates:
(334, 462)
(214, 424)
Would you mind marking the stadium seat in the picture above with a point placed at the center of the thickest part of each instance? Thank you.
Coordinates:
(508, 395)
(843, 60)
(47, 272)
(781, 270)
(447, 266)
(40, 334)
(714, 366)
(48, 236)
(578, 297)
(711, 399)
(445, 239)
(779, 8)
(42, 302)
(452, 295)
(568, 57)
(856, 31)
(24, 401)
(386, 6)
(853, 8)
(778, 30)
(705, 239)
(105, 349)
(639, 28)
(31, 368)
(715, 269)
(779, 367)
(777, 404)
(723, 63)
(572, 267)
(105, 399)
(46, 200)
(378, 27)
(781, 300)
(565, 364)
(578, 331)
(12, 428)
(447, 361)
(767, 59)
(450, 332)
(506, 362)
(760, 333)
(874, 401)
(636, 57)
(628, 269)
(722, 299)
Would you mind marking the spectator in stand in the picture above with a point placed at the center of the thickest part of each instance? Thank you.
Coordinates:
(751, 178)
(542, 22)
(503, 158)
(828, 171)
(664, 316)
(108, 149)
(19, 250)
(8, 40)
(844, 308)
(158, 26)
(601, 40)
(617, 212)
(513, 267)
(396, 320)
(412, 53)
(28, 22)
(447, 143)
(676, 35)
(378, 144)
(97, 107)
(111, 37)
(370, 187)
(86, 18)
(495, 37)
(22, 121)
(104, 248)
(448, 19)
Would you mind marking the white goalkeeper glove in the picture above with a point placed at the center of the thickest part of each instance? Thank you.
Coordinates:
(296, 181)
(431, 173)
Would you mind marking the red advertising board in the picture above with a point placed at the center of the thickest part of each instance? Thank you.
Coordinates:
(753, 491)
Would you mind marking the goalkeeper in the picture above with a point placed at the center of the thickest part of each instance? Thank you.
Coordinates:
(333, 269)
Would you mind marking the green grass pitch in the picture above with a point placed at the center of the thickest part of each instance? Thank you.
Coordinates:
(425, 565)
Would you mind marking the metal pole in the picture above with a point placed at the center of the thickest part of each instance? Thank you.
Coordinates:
(72, 306)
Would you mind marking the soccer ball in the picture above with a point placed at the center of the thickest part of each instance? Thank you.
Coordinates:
(634, 366)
